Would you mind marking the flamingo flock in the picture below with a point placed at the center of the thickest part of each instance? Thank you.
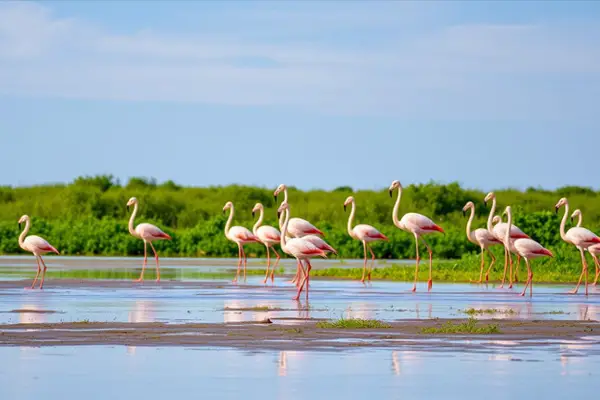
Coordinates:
(303, 241)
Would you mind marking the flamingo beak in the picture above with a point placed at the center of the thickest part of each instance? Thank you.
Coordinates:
(127, 207)
(485, 203)
(275, 197)
(390, 192)
(278, 213)
(556, 210)
(571, 219)
(464, 213)
(252, 213)
(344, 208)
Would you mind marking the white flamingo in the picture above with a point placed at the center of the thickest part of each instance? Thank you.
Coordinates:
(365, 233)
(240, 236)
(269, 236)
(482, 238)
(36, 245)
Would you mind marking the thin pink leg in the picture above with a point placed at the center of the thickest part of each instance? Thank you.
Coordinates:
(487, 274)
(268, 263)
(38, 272)
(301, 284)
(245, 262)
(414, 289)
(372, 263)
(510, 275)
(275, 266)
(482, 266)
(157, 264)
(237, 274)
(365, 263)
(430, 281)
(309, 267)
(141, 278)
(583, 271)
(506, 257)
(597, 268)
(516, 280)
(43, 272)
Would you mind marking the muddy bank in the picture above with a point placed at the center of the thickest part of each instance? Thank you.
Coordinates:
(301, 335)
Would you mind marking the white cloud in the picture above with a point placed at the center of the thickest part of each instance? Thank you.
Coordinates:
(465, 71)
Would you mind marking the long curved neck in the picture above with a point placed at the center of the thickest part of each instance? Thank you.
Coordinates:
(509, 224)
(580, 220)
(469, 222)
(563, 222)
(284, 229)
(396, 208)
(24, 233)
(351, 219)
(285, 195)
(228, 224)
(259, 222)
(490, 226)
(282, 220)
(131, 228)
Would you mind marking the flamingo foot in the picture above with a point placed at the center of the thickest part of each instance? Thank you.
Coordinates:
(157, 280)
(138, 280)
(265, 281)
(574, 291)
(429, 285)
(414, 289)
(273, 278)
(501, 286)
(487, 278)
(234, 280)
(510, 286)
(523, 294)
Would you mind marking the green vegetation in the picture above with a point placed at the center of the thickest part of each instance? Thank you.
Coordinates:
(353, 324)
(89, 217)
(482, 311)
(255, 308)
(469, 327)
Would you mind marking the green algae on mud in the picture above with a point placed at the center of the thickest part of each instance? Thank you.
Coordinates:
(353, 323)
(468, 327)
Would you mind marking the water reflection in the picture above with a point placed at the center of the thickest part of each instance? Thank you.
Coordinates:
(142, 311)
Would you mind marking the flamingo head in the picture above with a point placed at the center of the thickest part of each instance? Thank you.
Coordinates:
(257, 207)
(284, 206)
(132, 201)
(576, 213)
(490, 196)
(496, 219)
(561, 202)
(394, 185)
(24, 218)
(228, 205)
(349, 200)
(507, 210)
(279, 189)
(468, 206)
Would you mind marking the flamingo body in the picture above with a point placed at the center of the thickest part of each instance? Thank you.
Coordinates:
(268, 235)
(581, 237)
(241, 235)
(299, 227)
(38, 245)
(150, 232)
(367, 233)
(319, 243)
(418, 224)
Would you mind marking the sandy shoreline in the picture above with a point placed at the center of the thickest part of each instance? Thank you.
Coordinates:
(299, 335)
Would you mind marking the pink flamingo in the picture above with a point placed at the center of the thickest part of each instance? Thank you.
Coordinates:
(36, 245)
(526, 248)
(240, 236)
(499, 231)
(482, 238)
(148, 233)
(418, 225)
(593, 250)
(579, 237)
(365, 233)
(269, 236)
(299, 248)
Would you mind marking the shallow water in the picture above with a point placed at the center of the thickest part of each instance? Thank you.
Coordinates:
(161, 373)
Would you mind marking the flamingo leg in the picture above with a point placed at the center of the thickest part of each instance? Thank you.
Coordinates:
(268, 263)
(300, 272)
(516, 279)
(141, 278)
(506, 257)
(365, 262)
(245, 261)
(597, 263)
(275, 266)
(430, 281)
(529, 281)
(237, 274)
(302, 283)
(372, 263)
(487, 274)
(414, 289)
(38, 271)
(482, 265)
(43, 272)
(308, 268)
(157, 264)
(583, 272)
(510, 275)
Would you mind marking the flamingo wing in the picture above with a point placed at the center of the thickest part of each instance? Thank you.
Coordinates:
(242, 234)
(150, 232)
(582, 237)
(529, 248)
(500, 228)
(301, 248)
(300, 227)
(483, 236)
(420, 222)
(267, 233)
(319, 243)
(38, 243)
(367, 232)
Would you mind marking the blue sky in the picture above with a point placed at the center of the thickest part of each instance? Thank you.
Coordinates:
(312, 94)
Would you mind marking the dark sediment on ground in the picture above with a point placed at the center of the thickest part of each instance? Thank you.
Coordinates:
(300, 335)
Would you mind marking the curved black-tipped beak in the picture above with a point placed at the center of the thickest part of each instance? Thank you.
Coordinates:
(127, 207)
(390, 192)
(223, 211)
(252, 214)
(275, 197)
(556, 210)
(464, 213)
(19, 225)
(278, 214)
(344, 208)
(485, 203)
(571, 219)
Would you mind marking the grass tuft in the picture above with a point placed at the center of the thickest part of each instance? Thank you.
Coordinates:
(469, 327)
(353, 324)
(481, 311)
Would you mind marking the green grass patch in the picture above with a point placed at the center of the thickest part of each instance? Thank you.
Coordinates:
(469, 327)
(353, 323)
(489, 311)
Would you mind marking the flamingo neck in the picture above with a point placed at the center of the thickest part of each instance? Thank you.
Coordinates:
(351, 219)
(284, 229)
(469, 222)
(285, 198)
(490, 226)
(281, 220)
(580, 220)
(24, 233)
(396, 208)
(131, 229)
(259, 222)
(507, 255)
(563, 222)
(228, 224)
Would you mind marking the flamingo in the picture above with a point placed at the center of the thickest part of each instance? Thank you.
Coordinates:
(581, 238)
(528, 249)
(499, 231)
(593, 250)
(482, 238)
(36, 245)
(418, 225)
(148, 233)
(240, 236)
(299, 248)
(269, 236)
(365, 233)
